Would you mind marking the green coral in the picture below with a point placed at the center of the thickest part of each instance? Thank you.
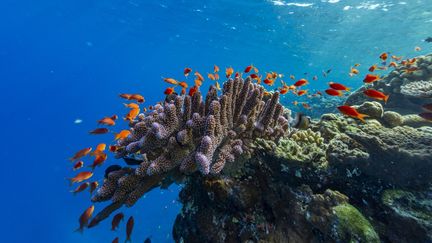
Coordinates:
(352, 226)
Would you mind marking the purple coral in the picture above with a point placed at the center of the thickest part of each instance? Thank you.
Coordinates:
(192, 133)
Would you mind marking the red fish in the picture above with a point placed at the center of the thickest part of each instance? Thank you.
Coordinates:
(269, 81)
(82, 176)
(352, 112)
(101, 130)
(116, 221)
(129, 228)
(109, 121)
(81, 153)
(186, 71)
(93, 186)
(98, 160)
(113, 148)
(138, 98)
(211, 76)
(370, 78)
(334, 92)
(301, 82)
(193, 90)
(248, 69)
(184, 84)
(338, 86)
(301, 92)
(306, 106)
(132, 105)
(376, 94)
(383, 56)
(78, 165)
(372, 68)
(80, 188)
(84, 218)
(254, 76)
(169, 91)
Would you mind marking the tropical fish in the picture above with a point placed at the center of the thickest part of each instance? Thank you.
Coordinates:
(122, 135)
(352, 112)
(131, 105)
(193, 90)
(306, 106)
(383, 56)
(186, 71)
(376, 94)
(393, 64)
(138, 98)
(211, 76)
(338, 86)
(284, 89)
(133, 113)
(426, 115)
(98, 160)
(116, 221)
(199, 76)
(248, 69)
(292, 77)
(353, 72)
(370, 78)
(129, 228)
(255, 69)
(301, 92)
(83, 152)
(301, 82)
(84, 218)
(333, 92)
(215, 69)
(78, 165)
(183, 84)
(269, 81)
(301, 121)
(99, 149)
(217, 85)
(216, 75)
(229, 71)
(372, 68)
(93, 186)
(427, 107)
(169, 91)
(82, 176)
(81, 188)
(171, 81)
(396, 58)
(113, 148)
(109, 121)
(357, 64)
(125, 96)
(237, 74)
(253, 76)
(101, 130)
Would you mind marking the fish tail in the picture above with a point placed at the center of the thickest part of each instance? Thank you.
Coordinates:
(361, 117)
(386, 98)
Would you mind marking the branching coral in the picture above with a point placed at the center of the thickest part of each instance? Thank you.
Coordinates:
(190, 134)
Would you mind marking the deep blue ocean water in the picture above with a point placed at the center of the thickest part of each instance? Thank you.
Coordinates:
(67, 60)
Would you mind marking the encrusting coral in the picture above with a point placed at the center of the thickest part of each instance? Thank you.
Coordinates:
(189, 134)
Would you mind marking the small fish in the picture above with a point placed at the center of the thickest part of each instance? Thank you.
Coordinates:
(80, 188)
(170, 81)
(292, 77)
(352, 112)
(354, 71)
(255, 69)
(301, 82)
(198, 82)
(199, 76)
(215, 69)
(301, 92)
(217, 85)
(306, 106)
(248, 69)
(193, 90)
(357, 65)
(371, 78)
(372, 68)
(116, 240)
(116, 221)
(82, 176)
(125, 96)
(411, 69)
(396, 58)
(376, 95)
(427, 107)
(253, 76)
(184, 84)
(295, 102)
(417, 48)
(393, 64)
(83, 152)
(333, 92)
(133, 113)
(84, 218)
(426, 115)
(216, 75)
(129, 228)
(383, 56)
(338, 86)
(284, 89)
(269, 81)
(99, 149)
(122, 135)
(169, 91)
(98, 160)
(101, 130)
(113, 148)
(211, 76)
(109, 121)
(93, 186)
(229, 71)
(186, 71)
(138, 98)
(429, 39)
(183, 91)
(131, 105)
(301, 121)
(78, 165)
(237, 74)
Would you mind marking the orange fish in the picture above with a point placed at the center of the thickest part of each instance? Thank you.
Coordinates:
(107, 121)
(269, 81)
(171, 81)
(301, 92)
(83, 220)
(211, 76)
(357, 64)
(215, 69)
(81, 153)
(78, 165)
(101, 130)
(81, 188)
(284, 89)
(301, 82)
(99, 149)
(169, 91)
(129, 228)
(255, 69)
(371, 78)
(122, 135)
(183, 91)
(133, 113)
(248, 68)
(372, 68)
(417, 48)
(229, 71)
(354, 71)
(116, 221)
(183, 84)
(334, 92)
(186, 71)
(132, 105)
(383, 56)
(216, 76)
(198, 82)
(393, 64)
(352, 112)
(396, 58)
(295, 103)
(138, 98)
(125, 96)
(338, 86)
(306, 106)
(93, 186)
(116, 240)
(199, 76)
(376, 94)
(98, 160)
(193, 90)
(82, 176)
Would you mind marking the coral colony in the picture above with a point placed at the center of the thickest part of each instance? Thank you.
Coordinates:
(189, 134)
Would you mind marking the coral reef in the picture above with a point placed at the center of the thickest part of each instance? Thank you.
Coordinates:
(408, 90)
(191, 134)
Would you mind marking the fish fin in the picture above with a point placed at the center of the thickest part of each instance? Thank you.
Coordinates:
(361, 117)
(386, 98)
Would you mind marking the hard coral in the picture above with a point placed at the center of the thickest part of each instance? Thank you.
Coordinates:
(189, 134)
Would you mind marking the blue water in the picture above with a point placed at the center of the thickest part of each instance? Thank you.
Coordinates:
(67, 60)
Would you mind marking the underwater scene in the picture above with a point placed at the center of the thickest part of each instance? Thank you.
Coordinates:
(216, 121)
